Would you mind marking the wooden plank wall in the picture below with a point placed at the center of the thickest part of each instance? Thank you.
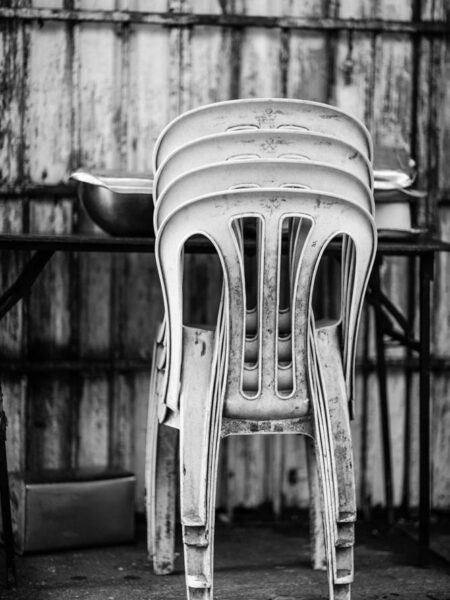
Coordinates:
(75, 356)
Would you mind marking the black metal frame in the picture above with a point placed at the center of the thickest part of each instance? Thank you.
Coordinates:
(385, 311)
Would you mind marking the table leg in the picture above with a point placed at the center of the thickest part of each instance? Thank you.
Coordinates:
(5, 502)
(408, 387)
(426, 277)
(383, 395)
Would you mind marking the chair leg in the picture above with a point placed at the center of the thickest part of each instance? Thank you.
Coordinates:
(337, 474)
(160, 472)
(164, 500)
(316, 534)
(198, 462)
(342, 591)
(150, 449)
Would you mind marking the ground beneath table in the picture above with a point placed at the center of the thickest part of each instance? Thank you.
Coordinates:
(253, 562)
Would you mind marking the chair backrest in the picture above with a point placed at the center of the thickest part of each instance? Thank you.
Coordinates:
(261, 173)
(216, 216)
(261, 113)
(248, 145)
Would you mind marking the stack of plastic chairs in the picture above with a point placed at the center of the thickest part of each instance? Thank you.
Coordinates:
(301, 173)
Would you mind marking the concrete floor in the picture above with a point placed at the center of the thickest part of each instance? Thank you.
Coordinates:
(253, 562)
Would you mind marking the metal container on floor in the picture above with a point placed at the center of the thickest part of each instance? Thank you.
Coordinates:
(70, 509)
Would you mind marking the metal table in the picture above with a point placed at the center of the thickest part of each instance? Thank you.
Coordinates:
(420, 247)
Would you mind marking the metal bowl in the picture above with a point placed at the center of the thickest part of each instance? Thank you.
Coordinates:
(119, 203)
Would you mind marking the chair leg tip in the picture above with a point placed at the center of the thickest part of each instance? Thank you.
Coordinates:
(199, 593)
(342, 591)
(163, 568)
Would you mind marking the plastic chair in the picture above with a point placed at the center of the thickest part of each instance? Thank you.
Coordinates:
(274, 107)
(217, 398)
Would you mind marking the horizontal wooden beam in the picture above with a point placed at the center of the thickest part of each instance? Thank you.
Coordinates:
(25, 366)
(68, 191)
(224, 20)
(88, 365)
(33, 190)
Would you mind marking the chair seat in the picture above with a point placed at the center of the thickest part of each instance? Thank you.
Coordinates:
(326, 329)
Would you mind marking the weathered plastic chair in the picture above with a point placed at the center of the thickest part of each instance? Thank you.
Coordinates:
(284, 116)
(213, 394)
(261, 113)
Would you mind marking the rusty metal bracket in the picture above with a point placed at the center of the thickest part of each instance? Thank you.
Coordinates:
(24, 282)
(389, 314)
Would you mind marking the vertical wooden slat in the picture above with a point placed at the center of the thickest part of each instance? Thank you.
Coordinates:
(434, 139)
(47, 147)
(260, 47)
(441, 347)
(392, 118)
(294, 487)
(11, 99)
(96, 139)
(137, 295)
(148, 105)
(93, 422)
(49, 402)
(440, 449)
(48, 116)
(13, 42)
(121, 422)
(14, 386)
(307, 56)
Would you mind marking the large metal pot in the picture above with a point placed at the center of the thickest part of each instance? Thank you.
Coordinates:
(119, 203)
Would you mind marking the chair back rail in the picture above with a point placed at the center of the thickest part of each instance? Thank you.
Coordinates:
(264, 143)
(261, 113)
(261, 173)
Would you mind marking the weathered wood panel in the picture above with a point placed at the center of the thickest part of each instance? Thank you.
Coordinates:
(49, 402)
(95, 144)
(11, 220)
(441, 347)
(97, 95)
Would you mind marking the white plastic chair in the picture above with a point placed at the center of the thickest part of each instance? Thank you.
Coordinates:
(206, 377)
(239, 143)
